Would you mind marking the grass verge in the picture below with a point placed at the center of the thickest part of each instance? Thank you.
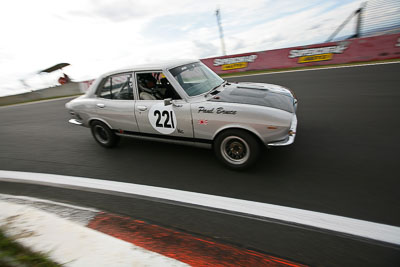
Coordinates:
(13, 254)
(244, 73)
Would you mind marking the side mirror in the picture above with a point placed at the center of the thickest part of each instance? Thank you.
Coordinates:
(167, 101)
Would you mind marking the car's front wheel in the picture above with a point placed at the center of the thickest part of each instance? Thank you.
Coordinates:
(237, 149)
(103, 134)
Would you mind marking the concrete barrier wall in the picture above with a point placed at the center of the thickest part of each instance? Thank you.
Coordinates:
(71, 88)
(353, 50)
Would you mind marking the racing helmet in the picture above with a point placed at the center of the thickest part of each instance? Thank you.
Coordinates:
(146, 78)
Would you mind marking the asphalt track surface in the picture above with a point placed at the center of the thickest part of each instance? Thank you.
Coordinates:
(344, 162)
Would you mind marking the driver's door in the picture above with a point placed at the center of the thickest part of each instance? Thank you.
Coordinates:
(154, 118)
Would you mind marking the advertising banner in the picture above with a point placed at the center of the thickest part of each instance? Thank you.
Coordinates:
(352, 50)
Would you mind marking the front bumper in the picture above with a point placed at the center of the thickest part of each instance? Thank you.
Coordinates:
(291, 137)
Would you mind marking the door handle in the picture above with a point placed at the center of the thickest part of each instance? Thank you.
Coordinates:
(100, 105)
(177, 105)
(142, 108)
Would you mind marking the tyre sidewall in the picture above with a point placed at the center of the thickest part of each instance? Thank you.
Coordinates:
(253, 145)
(103, 134)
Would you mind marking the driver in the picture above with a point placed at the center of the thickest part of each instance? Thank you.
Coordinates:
(150, 81)
(147, 85)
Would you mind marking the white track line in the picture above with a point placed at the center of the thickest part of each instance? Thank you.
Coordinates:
(321, 68)
(365, 229)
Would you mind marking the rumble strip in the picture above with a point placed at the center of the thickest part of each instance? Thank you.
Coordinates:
(118, 240)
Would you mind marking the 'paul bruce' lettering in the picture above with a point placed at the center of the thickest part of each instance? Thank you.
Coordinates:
(219, 110)
(204, 110)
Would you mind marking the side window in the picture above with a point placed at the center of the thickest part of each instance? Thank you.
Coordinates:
(155, 86)
(117, 87)
(105, 90)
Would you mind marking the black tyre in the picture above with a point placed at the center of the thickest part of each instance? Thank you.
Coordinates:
(103, 135)
(237, 149)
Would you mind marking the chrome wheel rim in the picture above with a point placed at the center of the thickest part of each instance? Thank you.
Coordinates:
(235, 150)
(101, 134)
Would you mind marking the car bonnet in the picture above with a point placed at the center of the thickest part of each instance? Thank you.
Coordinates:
(261, 94)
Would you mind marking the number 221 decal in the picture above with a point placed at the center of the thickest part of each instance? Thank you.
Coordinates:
(169, 119)
(162, 118)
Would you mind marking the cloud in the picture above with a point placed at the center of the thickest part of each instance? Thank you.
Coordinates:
(97, 36)
(205, 49)
(238, 44)
(314, 27)
(297, 29)
(121, 10)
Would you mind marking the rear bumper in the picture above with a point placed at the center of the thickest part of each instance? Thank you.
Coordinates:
(291, 137)
(75, 121)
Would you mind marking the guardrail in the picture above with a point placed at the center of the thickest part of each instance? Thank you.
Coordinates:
(353, 50)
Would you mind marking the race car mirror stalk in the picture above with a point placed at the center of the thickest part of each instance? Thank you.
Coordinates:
(166, 102)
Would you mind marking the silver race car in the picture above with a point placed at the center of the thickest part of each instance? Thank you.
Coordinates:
(185, 102)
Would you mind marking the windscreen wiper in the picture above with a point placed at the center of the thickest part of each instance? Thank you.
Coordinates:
(212, 90)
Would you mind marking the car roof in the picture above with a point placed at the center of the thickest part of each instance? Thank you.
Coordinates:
(153, 66)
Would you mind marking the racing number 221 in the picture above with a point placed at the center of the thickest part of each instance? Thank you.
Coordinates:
(169, 120)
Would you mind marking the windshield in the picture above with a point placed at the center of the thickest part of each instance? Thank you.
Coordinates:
(196, 78)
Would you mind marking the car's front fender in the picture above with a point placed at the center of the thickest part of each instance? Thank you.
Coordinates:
(268, 124)
(237, 126)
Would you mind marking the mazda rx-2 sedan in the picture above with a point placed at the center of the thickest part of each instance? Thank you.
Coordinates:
(185, 102)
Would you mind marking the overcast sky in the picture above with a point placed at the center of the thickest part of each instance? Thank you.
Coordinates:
(96, 36)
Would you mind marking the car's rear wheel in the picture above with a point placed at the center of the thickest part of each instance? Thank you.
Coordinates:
(237, 149)
(103, 134)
